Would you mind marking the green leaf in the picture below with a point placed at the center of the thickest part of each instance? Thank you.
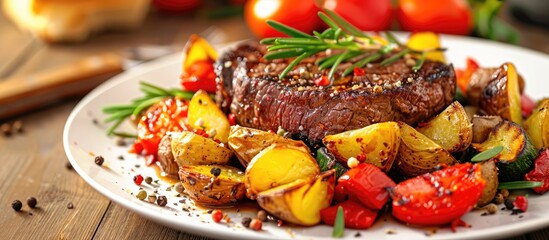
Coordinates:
(395, 57)
(336, 63)
(295, 62)
(328, 21)
(392, 38)
(419, 62)
(299, 41)
(284, 54)
(145, 104)
(519, 185)
(347, 26)
(290, 31)
(488, 154)
(124, 134)
(339, 224)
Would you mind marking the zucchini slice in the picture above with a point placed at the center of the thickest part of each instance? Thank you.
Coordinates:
(517, 157)
(502, 94)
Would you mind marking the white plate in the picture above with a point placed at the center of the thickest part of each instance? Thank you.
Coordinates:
(83, 139)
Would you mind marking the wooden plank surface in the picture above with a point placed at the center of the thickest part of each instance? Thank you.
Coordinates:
(34, 161)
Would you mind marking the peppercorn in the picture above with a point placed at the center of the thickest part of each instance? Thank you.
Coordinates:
(152, 198)
(491, 208)
(6, 129)
(215, 171)
(68, 166)
(509, 204)
(31, 201)
(262, 215)
(217, 215)
(504, 192)
(16, 205)
(148, 180)
(246, 222)
(141, 195)
(179, 188)
(18, 126)
(162, 201)
(70, 205)
(521, 202)
(498, 199)
(256, 224)
(99, 160)
(138, 179)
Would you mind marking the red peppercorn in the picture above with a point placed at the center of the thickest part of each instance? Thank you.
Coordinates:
(359, 71)
(256, 224)
(232, 119)
(521, 202)
(138, 179)
(217, 215)
(361, 157)
(201, 133)
(322, 81)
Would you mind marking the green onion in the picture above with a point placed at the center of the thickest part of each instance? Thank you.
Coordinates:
(519, 185)
(339, 224)
(488, 154)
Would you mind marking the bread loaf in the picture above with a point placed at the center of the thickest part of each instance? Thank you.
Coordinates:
(74, 20)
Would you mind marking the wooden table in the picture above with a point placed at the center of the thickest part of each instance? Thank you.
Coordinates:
(34, 162)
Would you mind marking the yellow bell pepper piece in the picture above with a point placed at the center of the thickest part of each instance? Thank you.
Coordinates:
(197, 49)
(422, 41)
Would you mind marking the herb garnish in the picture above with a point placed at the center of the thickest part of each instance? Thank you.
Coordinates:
(488, 154)
(339, 224)
(519, 185)
(352, 45)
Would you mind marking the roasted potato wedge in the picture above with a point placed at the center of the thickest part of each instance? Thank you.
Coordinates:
(418, 154)
(192, 149)
(501, 96)
(537, 125)
(277, 165)
(490, 175)
(482, 126)
(205, 188)
(248, 142)
(205, 114)
(300, 201)
(166, 158)
(451, 129)
(378, 143)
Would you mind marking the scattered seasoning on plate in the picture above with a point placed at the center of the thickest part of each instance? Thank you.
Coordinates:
(151, 198)
(138, 179)
(148, 180)
(499, 198)
(68, 166)
(18, 126)
(491, 208)
(121, 157)
(246, 221)
(31, 201)
(509, 204)
(162, 201)
(215, 171)
(70, 205)
(141, 195)
(256, 224)
(521, 202)
(390, 231)
(6, 129)
(357, 234)
(16, 205)
(217, 215)
(120, 141)
(179, 188)
(262, 215)
(99, 160)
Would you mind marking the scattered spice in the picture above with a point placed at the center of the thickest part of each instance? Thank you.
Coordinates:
(121, 157)
(246, 221)
(390, 231)
(509, 204)
(68, 166)
(504, 193)
(148, 180)
(138, 179)
(262, 215)
(141, 195)
(70, 205)
(491, 208)
(120, 141)
(498, 199)
(16, 205)
(357, 234)
(152, 198)
(162, 201)
(6, 129)
(215, 171)
(99, 160)
(217, 215)
(521, 202)
(179, 188)
(31, 201)
(256, 224)
(17, 126)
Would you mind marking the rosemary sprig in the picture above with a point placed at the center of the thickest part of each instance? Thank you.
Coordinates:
(153, 94)
(350, 42)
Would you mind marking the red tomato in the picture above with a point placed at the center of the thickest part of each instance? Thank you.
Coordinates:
(367, 15)
(440, 197)
(200, 75)
(368, 184)
(451, 16)
(176, 5)
(356, 215)
(301, 15)
(169, 115)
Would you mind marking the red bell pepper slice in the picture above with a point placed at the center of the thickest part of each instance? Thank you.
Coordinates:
(355, 215)
(540, 173)
(368, 184)
(200, 75)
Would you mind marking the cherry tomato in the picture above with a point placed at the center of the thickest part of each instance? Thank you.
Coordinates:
(439, 197)
(356, 215)
(521, 202)
(169, 115)
(367, 15)
(527, 105)
(176, 5)
(368, 184)
(451, 16)
(540, 172)
(200, 75)
(301, 15)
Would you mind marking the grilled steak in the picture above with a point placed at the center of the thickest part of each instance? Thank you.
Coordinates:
(248, 87)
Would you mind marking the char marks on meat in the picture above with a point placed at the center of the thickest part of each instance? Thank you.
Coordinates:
(248, 87)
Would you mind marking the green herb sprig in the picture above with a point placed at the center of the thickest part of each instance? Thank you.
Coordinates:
(339, 223)
(351, 43)
(153, 94)
(519, 185)
(488, 154)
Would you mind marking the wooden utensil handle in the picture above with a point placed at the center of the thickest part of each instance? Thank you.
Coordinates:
(23, 93)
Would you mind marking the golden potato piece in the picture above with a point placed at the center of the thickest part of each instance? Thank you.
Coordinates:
(490, 175)
(537, 125)
(502, 95)
(300, 202)
(248, 142)
(277, 165)
(378, 143)
(451, 129)
(205, 114)
(207, 189)
(192, 149)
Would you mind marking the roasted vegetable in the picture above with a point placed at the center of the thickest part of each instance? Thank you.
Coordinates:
(206, 188)
(517, 157)
(300, 201)
(477, 82)
(277, 165)
(205, 114)
(166, 158)
(418, 154)
(502, 94)
(482, 126)
(368, 184)
(537, 125)
(192, 149)
(451, 129)
(490, 175)
(248, 142)
(440, 197)
(540, 171)
(327, 161)
(356, 215)
(376, 144)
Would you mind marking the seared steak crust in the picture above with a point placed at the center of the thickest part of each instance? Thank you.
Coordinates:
(249, 88)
